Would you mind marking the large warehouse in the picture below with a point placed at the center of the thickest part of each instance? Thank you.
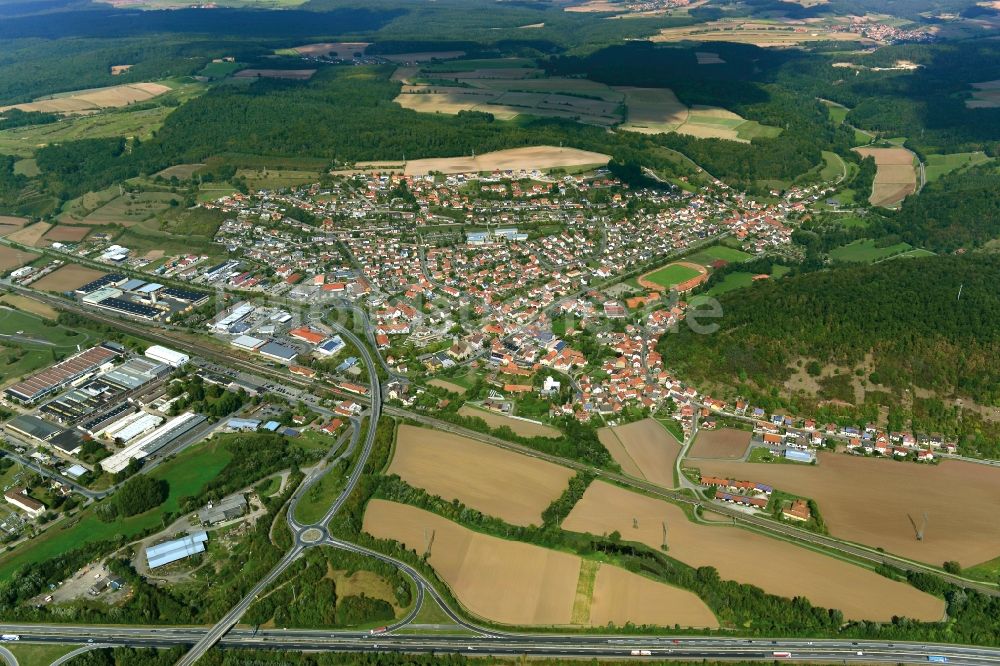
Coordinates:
(168, 356)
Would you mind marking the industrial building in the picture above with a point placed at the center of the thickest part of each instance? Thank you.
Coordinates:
(33, 427)
(132, 426)
(278, 352)
(172, 358)
(19, 498)
(55, 377)
(152, 442)
(178, 549)
(223, 510)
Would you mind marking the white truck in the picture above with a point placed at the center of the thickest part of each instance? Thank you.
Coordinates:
(9, 637)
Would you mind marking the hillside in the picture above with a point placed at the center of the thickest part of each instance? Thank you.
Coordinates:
(855, 341)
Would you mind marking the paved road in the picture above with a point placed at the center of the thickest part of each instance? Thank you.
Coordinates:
(375, 412)
(547, 645)
(8, 656)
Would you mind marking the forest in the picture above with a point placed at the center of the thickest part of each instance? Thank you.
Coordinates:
(908, 313)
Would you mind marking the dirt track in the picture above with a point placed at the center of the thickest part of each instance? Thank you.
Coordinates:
(775, 566)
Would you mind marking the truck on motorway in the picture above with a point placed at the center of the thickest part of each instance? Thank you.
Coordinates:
(9, 637)
(642, 653)
(781, 655)
(377, 630)
(937, 659)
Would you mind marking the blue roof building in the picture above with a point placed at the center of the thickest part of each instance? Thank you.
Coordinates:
(178, 549)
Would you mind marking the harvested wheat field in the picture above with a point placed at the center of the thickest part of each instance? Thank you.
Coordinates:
(9, 220)
(644, 449)
(653, 110)
(872, 501)
(67, 278)
(66, 234)
(30, 235)
(985, 95)
(519, 426)
(895, 178)
(94, 99)
(529, 158)
(722, 443)
(423, 56)
(29, 305)
(521, 584)
(11, 258)
(775, 566)
(448, 386)
(621, 596)
(340, 50)
(497, 482)
(503, 581)
(291, 74)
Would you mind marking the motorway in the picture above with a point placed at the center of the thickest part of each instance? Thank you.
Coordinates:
(480, 640)
(679, 648)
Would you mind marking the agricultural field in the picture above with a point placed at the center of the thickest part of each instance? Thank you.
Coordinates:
(896, 176)
(644, 449)
(825, 581)
(671, 275)
(519, 426)
(62, 233)
(652, 110)
(29, 305)
(730, 282)
(220, 69)
(94, 99)
(985, 95)
(130, 209)
(67, 278)
(179, 171)
(758, 33)
(290, 74)
(529, 158)
(546, 581)
(722, 443)
(29, 343)
(11, 258)
(866, 251)
(448, 386)
(873, 502)
(126, 122)
(338, 50)
(939, 165)
(30, 235)
(496, 482)
(277, 178)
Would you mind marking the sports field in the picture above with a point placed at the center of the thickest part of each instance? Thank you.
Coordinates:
(672, 275)
(494, 481)
(777, 567)
(521, 584)
(873, 501)
(644, 449)
(721, 443)
(520, 427)
(532, 157)
(67, 278)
